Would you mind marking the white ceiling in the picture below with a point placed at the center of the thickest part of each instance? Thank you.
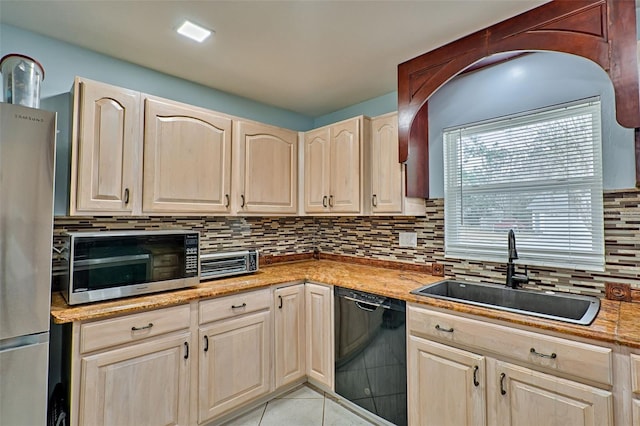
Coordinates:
(312, 57)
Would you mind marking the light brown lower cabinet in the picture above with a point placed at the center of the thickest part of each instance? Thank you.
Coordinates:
(143, 383)
(289, 334)
(472, 372)
(319, 334)
(635, 386)
(234, 364)
(528, 397)
(146, 368)
(446, 385)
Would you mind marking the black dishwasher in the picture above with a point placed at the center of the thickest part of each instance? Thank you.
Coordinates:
(370, 353)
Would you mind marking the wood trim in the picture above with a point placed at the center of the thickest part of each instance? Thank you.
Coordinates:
(388, 264)
(602, 31)
(284, 258)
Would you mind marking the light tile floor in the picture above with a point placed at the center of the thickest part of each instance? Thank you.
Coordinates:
(303, 406)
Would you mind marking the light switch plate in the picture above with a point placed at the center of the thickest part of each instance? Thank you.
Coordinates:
(408, 239)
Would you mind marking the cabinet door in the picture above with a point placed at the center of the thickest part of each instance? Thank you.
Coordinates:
(319, 331)
(316, 170)
(527, 397)
(187, 159)
(446, 386)
(635, 406)
(289, 334)
(386, 170)
(235, 360)
(105, 172)
(145, 383)
(345, 167)
(266, 168)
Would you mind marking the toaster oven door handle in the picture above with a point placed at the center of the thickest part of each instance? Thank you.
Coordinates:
(112, 260)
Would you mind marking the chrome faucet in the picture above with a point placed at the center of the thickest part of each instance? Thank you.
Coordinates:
(514, 280)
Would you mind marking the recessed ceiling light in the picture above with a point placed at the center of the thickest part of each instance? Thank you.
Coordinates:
(193, 31)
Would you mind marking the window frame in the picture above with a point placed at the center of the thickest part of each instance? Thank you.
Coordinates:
(493, 247)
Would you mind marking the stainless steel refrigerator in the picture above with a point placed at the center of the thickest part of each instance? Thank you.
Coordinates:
(27, 154)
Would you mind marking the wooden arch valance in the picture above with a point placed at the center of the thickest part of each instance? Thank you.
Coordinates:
(603, 31)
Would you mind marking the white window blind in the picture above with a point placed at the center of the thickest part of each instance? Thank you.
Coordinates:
(538, 173)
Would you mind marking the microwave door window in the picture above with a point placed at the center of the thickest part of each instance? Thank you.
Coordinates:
(99, 273)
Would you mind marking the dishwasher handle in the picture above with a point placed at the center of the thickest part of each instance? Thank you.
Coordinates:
(366, 306)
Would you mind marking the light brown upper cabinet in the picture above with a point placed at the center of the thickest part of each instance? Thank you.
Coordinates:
(316, 170)
(187, 159)
(106, 149)
(386, 175)
(265, 169)
(334, 156)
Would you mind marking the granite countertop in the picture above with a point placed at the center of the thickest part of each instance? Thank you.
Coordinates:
(616, 322)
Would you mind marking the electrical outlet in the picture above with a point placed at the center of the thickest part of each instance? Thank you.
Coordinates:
(408, 239)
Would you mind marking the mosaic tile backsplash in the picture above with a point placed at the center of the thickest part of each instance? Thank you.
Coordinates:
(377, 238)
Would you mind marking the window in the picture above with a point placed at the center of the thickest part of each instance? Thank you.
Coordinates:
(538, 173)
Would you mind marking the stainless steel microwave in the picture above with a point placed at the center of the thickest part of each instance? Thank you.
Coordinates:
(110, 265)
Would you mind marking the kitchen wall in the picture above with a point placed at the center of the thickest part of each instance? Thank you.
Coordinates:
(272, 236)
(389, 102)
(475, 96)
(524, 84)
(372, 108)
(63, 61)
(529, 82)
(377, 238)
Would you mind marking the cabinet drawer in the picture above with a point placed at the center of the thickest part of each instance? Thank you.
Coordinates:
(237, 304)
(130, 328)
(635, 373)
(574, 358)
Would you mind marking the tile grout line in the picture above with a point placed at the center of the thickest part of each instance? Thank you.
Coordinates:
(264, 410)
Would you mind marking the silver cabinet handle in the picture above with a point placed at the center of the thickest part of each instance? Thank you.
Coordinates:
(146, 327)
(330, 200)
(324, 201)
(374, 200)
(476, 383)
(502, 390)
(541, 355)
(446, 330)
(126, 196)
(238, 306)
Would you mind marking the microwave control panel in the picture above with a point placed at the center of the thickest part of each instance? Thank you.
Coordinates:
(191, 245)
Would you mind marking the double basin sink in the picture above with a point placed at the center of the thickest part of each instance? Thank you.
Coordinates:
(571, 308)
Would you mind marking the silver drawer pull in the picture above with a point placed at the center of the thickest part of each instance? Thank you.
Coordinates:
(146, 327)
(446, 330)
(244, 305)
(552, 356)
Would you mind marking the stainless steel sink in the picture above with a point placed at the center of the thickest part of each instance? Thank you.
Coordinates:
(572, 308)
